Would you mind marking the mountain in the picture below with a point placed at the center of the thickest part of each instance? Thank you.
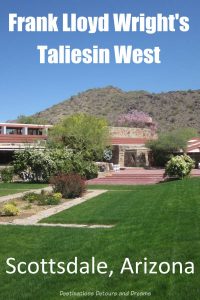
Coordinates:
(170, 110)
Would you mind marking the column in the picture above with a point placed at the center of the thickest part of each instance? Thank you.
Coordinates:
(121, 156)
(3, 129)
(25, 130)
(147, 158)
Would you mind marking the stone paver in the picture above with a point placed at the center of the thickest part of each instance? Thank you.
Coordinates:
(63, 225)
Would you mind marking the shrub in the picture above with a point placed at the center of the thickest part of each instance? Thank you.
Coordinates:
(10, 210)
(87, 169)
(30, 197)
(49, 199)
(41, 200)
(179, 166)
(28, 206)
(36, 165)
(169, 143)
(44, 198)
(53, 199)
(70, 186)
(7, 174)
(57, 196)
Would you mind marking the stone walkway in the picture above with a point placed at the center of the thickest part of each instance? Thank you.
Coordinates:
(33, 220)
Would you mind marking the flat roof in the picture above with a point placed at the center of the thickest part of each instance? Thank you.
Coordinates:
(20, 124)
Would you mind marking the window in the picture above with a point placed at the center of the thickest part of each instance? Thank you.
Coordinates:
(11, 130)
(35, 131)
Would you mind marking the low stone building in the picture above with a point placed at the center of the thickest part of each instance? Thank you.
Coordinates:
(128, 144)
(129, 148)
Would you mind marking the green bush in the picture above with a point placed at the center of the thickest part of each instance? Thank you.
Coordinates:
(10, 210)
(44, 198)
(57, 196)
(49, 199)
(87, 169)
(31, 197)
(169, 143)
(39, 166)
(69, 185)
(7, 174)
(179, 166)
(53, 199)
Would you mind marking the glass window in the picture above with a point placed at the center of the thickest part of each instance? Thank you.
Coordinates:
(34, 131)
(11, 130)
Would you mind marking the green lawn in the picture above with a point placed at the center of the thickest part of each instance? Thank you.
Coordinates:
(160, 222)
(13, 188)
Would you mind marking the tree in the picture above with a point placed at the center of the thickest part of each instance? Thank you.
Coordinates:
(85, 134)
(138, 119)
(170, 143)
(30, 120)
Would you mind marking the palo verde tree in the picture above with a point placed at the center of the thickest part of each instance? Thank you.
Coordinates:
(170, 143)
(31, 120)
(82, 133)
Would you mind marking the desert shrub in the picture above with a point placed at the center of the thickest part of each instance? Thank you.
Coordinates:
(30, 197)
(36, 165)
(86, 169)
(10, 210)
(53, 199)
(169, 143)
(179, 166)
(7, 174)
(44, 198)
(39, 166)
(57, 196)
(49, 199)
(27, 206)
(69, 185)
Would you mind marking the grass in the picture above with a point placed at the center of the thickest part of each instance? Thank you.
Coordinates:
(160, 222)
(13, 188)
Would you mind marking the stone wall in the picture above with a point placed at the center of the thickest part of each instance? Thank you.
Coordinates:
(125, 132)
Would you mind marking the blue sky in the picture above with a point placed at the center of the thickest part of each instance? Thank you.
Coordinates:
(27, 87)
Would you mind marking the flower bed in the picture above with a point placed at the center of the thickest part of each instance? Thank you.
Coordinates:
(29, 205)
